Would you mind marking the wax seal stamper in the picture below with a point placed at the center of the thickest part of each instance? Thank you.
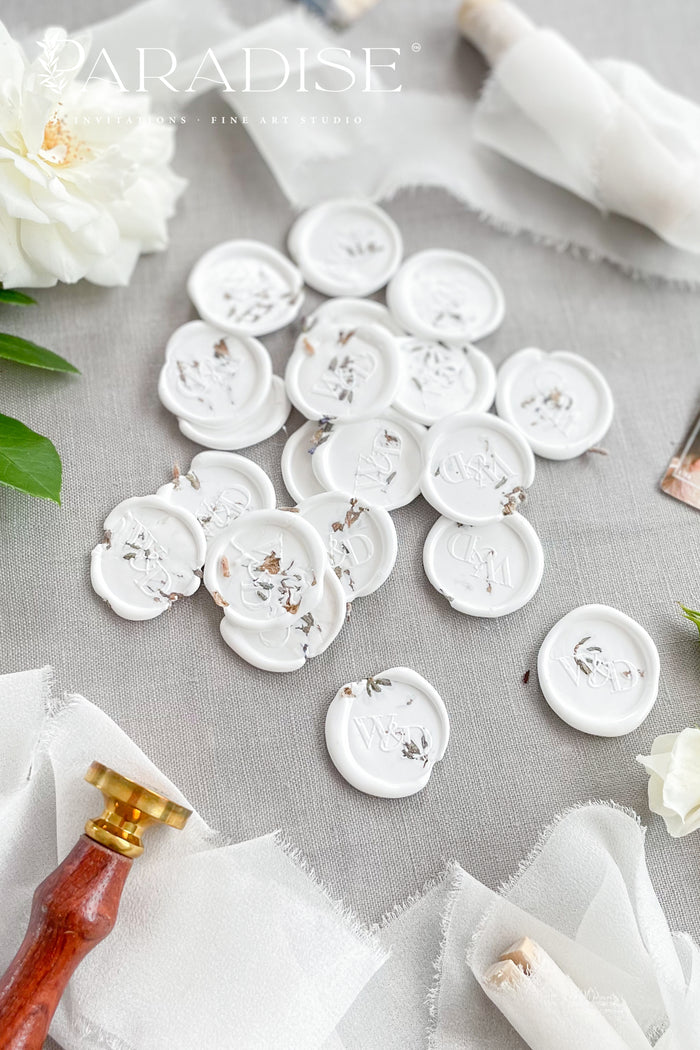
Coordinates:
(218, 488)
(246, 286)
(210, 377)
(344, 373)
(446, 296)
(248, 430)
(377, 460)
(346, 247)
(477, 468)
(351, 313)
(385, 733)
(148, 558)
(360, 540)
(599, 671)
(439, 379)
(266, 569)
(288, 647)
(297, 469)
(560, 402)
(484, 570)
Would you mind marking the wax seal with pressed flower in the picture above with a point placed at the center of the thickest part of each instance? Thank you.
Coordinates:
(297, 468)
(385, 733)
(246, 429)
(439, 379)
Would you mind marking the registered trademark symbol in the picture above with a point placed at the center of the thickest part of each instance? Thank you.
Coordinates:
(416, 47)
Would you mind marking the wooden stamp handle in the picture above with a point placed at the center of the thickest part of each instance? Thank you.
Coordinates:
(72, 911)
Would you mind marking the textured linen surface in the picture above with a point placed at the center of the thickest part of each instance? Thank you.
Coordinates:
(246, 747)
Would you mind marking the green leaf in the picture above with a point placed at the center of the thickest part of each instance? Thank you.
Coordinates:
(691, 615)
(28, 461)
(12, 348)
(10, 295)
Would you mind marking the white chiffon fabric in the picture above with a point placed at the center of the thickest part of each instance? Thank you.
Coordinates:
(236, 945)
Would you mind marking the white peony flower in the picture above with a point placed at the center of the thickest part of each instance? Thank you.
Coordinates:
(674, 780)
(85, 182)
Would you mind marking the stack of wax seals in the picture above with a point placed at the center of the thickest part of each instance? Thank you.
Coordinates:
(217, 377)
(385, 733)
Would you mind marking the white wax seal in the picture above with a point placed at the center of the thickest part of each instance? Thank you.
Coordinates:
(218, 488)
(439, 379)
(484, 570)
(343, 372)
(385, 733)
(377, 460)
(246, 286)
(560, 402)
(477, 468)
(148, 558)
(351, 313)
(346, 247)
(599, 671)
(360, 540)
(297, 469)
(243, 432)
(447, 296)
(266, 569)
(210, 377)
(287, 648)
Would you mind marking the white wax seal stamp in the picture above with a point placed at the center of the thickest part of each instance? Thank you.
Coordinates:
(360, 540)
(346, 247)
(246, 286)
(477, 468)
(247, 430)
(287, 648)
(599, 671)
(297, 468)
(266, 569)
(210, 377)
(484, 570)
(149, 557)
(446, 296)
(385, 733)
(351, 313)
(377, 460)
(218, 488)
(344, 373)
(560, 402)
(439, 379)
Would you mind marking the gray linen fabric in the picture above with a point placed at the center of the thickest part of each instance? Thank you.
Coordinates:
(246, 746)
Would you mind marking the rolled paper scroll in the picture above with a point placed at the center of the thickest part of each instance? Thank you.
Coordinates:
(606, 131)
(546, 1008)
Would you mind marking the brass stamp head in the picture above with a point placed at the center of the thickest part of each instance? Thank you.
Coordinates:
(129, 808)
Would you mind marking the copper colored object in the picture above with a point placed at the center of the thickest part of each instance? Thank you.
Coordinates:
(76, 906)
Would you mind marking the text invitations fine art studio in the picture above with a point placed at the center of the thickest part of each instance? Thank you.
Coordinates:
(349, 525)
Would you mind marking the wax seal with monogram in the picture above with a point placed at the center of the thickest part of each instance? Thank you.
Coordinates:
(484, 570)
(360, 540)
(386, 732)
(599, 671)
(477, 468)
(446, 296)
(266, 569)
(341, 372)
(377, 460)
(149, 557)
(439, 379)
(346, 247)
(287, 647)
(560, 402)
(246, 286)
(218, 488)
(248, 428)
(211, 377)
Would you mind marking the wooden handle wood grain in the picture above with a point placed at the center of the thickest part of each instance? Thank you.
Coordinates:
(72, 911)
